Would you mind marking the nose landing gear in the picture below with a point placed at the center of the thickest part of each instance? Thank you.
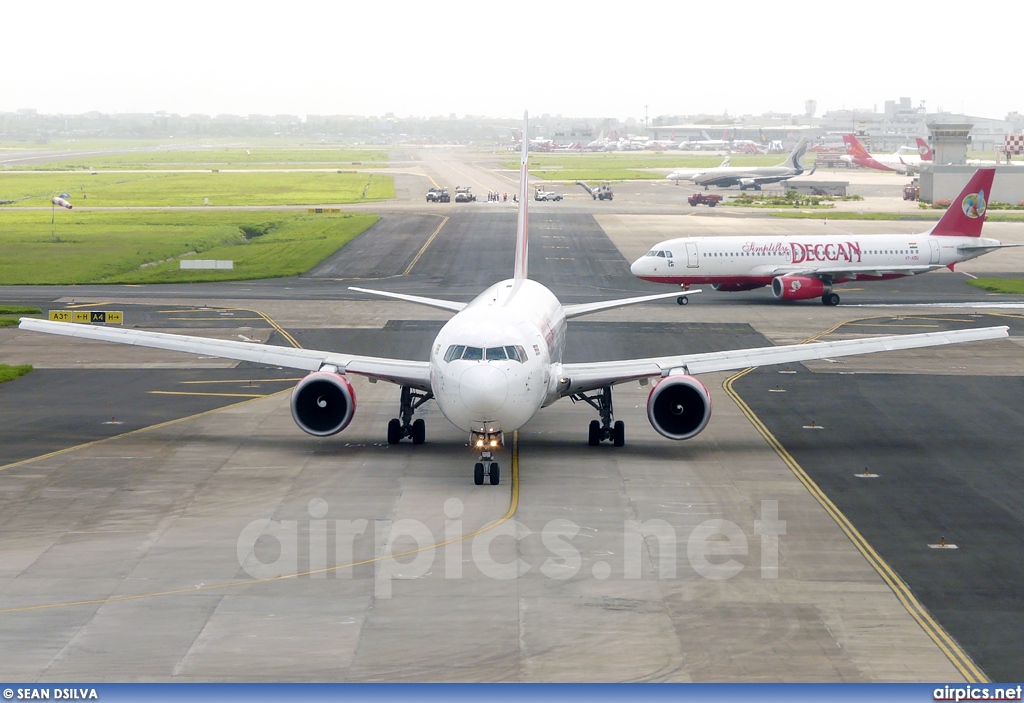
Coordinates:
(486, 466)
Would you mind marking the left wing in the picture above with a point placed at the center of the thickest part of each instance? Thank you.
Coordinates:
(400, 371)
(580, 378)
(586, 308)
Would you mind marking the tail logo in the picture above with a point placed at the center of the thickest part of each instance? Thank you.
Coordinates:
(922, 149)
(974, 205)
(849, 147)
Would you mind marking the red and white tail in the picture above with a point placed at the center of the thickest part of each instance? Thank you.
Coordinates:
(522, 235)
(966, 214)
(854, 147)
(924, 150)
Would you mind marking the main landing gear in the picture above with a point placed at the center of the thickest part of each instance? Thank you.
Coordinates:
(830, 299)
(603, 429)
(403, 426)
(486, 442)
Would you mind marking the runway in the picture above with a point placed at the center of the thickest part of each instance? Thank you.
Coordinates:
(231, 546)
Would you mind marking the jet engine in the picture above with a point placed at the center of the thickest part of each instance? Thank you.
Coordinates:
(323, 403)
(798, 287)
(679, 407)
(735, 287)
(748, 183)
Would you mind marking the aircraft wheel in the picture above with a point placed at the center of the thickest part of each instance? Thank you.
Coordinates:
(595, 433)
(419, 432)
(478, 474)
(494, 471)
(683, 300)
(830, 299)
(619, 433)
(394, 431)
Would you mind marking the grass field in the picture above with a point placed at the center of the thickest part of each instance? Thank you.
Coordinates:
(1000, 285)
(9, 373)
(229, 157)
(31, 189)
(617, 166)
(113, 246)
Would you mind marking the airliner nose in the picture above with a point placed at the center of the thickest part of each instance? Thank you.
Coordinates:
(483, 388)
(635, 268)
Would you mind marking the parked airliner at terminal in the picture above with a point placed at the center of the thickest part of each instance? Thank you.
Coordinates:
(801, 268)
(499, 360)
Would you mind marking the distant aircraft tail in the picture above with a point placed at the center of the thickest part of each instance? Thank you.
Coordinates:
(966, 214)
(924, 150)
(707, 137)
(854, 147)
(793, 161)
(522, 239)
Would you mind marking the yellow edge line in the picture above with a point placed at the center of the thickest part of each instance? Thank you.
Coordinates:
(218, 395)
(956, 655)
(430, 239)
(93, 443)
(244, 380)
(513, 504)
(85, 305)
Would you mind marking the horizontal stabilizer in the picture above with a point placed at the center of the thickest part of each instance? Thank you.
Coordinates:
(587, 308)
(432, 302)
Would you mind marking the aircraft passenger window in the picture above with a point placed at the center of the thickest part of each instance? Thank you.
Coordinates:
(473, 354)
(661, 254)
(496, 354)
(454, 352)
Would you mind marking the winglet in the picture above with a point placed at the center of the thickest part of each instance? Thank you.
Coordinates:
(966, 214)
(522, 238)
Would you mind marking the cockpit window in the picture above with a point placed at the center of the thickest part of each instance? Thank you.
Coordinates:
(668, 253)
(454, 352)
(652, 252)
(661, 254)
(461, 351)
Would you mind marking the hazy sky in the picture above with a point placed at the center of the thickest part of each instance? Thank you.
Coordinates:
(436, 57)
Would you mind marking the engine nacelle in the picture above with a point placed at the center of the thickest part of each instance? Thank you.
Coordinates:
(735, 287)
(679, 407)
(747, 183)
(323, 403)
(798, 287)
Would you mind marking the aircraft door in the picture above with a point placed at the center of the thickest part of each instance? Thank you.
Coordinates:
(692, 255)
(934, 251)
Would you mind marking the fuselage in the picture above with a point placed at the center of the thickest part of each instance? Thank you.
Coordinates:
(491, 364)
(757, 260)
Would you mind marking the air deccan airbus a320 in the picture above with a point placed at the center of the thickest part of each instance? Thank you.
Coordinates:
(498, 361)
(805, 267)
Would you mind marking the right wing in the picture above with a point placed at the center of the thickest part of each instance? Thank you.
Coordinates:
(432, 302)
(401, 371)
(580, 378)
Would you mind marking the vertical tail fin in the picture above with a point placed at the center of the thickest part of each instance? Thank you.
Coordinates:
(793, 160)
(966, 214)
(522, 236)
(924, 150)
(854, 147)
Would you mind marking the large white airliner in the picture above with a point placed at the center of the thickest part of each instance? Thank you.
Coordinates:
(800, 268)
(498, 361)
